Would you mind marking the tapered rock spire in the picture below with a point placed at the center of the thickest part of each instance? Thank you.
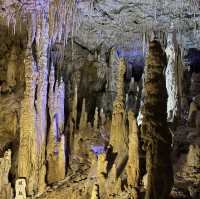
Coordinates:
(118, 136)
(156, 136)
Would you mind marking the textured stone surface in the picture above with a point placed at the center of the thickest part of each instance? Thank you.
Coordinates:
(155, 134)
(42, 92)
(118, 131)
(171, 79)
(133, 160)
(110, 22)
(56, 160)
(31, 157)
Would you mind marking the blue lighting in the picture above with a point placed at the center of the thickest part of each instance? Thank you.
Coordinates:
(98, 149)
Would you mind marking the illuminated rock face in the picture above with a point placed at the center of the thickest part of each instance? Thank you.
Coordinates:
(33, 120)
(171, 79)
(56, 139)
(133, 161)
(155, 133)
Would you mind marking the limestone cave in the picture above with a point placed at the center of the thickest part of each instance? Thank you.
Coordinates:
(99, 99)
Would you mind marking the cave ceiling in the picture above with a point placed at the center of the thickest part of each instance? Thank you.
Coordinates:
(118, 22)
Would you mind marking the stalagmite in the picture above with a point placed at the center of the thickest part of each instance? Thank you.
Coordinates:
(155, 134)
(83, 120)
(101, 169)
(95, 192)
(118, 137)
(74, 104)
(171, 79)
(133, 159)
(96, 118)
(11, 71)
(72, 121)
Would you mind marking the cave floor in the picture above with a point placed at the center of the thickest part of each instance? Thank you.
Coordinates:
(82, 174)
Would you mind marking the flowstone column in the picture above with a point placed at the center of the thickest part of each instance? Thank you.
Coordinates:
(33, 118)
(56, 159)
(155, 134)
(171, 79)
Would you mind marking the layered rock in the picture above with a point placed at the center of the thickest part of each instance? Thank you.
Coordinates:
(155, 133)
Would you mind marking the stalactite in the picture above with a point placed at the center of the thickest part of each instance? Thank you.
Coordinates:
(112, 75)
(156, 136)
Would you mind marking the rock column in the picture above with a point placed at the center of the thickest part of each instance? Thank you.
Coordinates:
(156, 136)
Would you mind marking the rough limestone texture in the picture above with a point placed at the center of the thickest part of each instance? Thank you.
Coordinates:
(133, 158)
(9, 117)
(171, 79)
(20, 189)
(101, 169)
(56, 160)
(83, 119)
(111, 76)
(155, 134)
(27, 149)
(193, 156)
(5, 186)
(95, 192)
(11, 70)
(33, 121)
(118, 137)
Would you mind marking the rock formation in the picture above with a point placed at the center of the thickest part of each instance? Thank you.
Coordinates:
(56, 160)
(155, 133)
(118, 131)
(95, 192)
(33, 120)
(5, 186)
(133, 160)
(71, 81)
(171, 79)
